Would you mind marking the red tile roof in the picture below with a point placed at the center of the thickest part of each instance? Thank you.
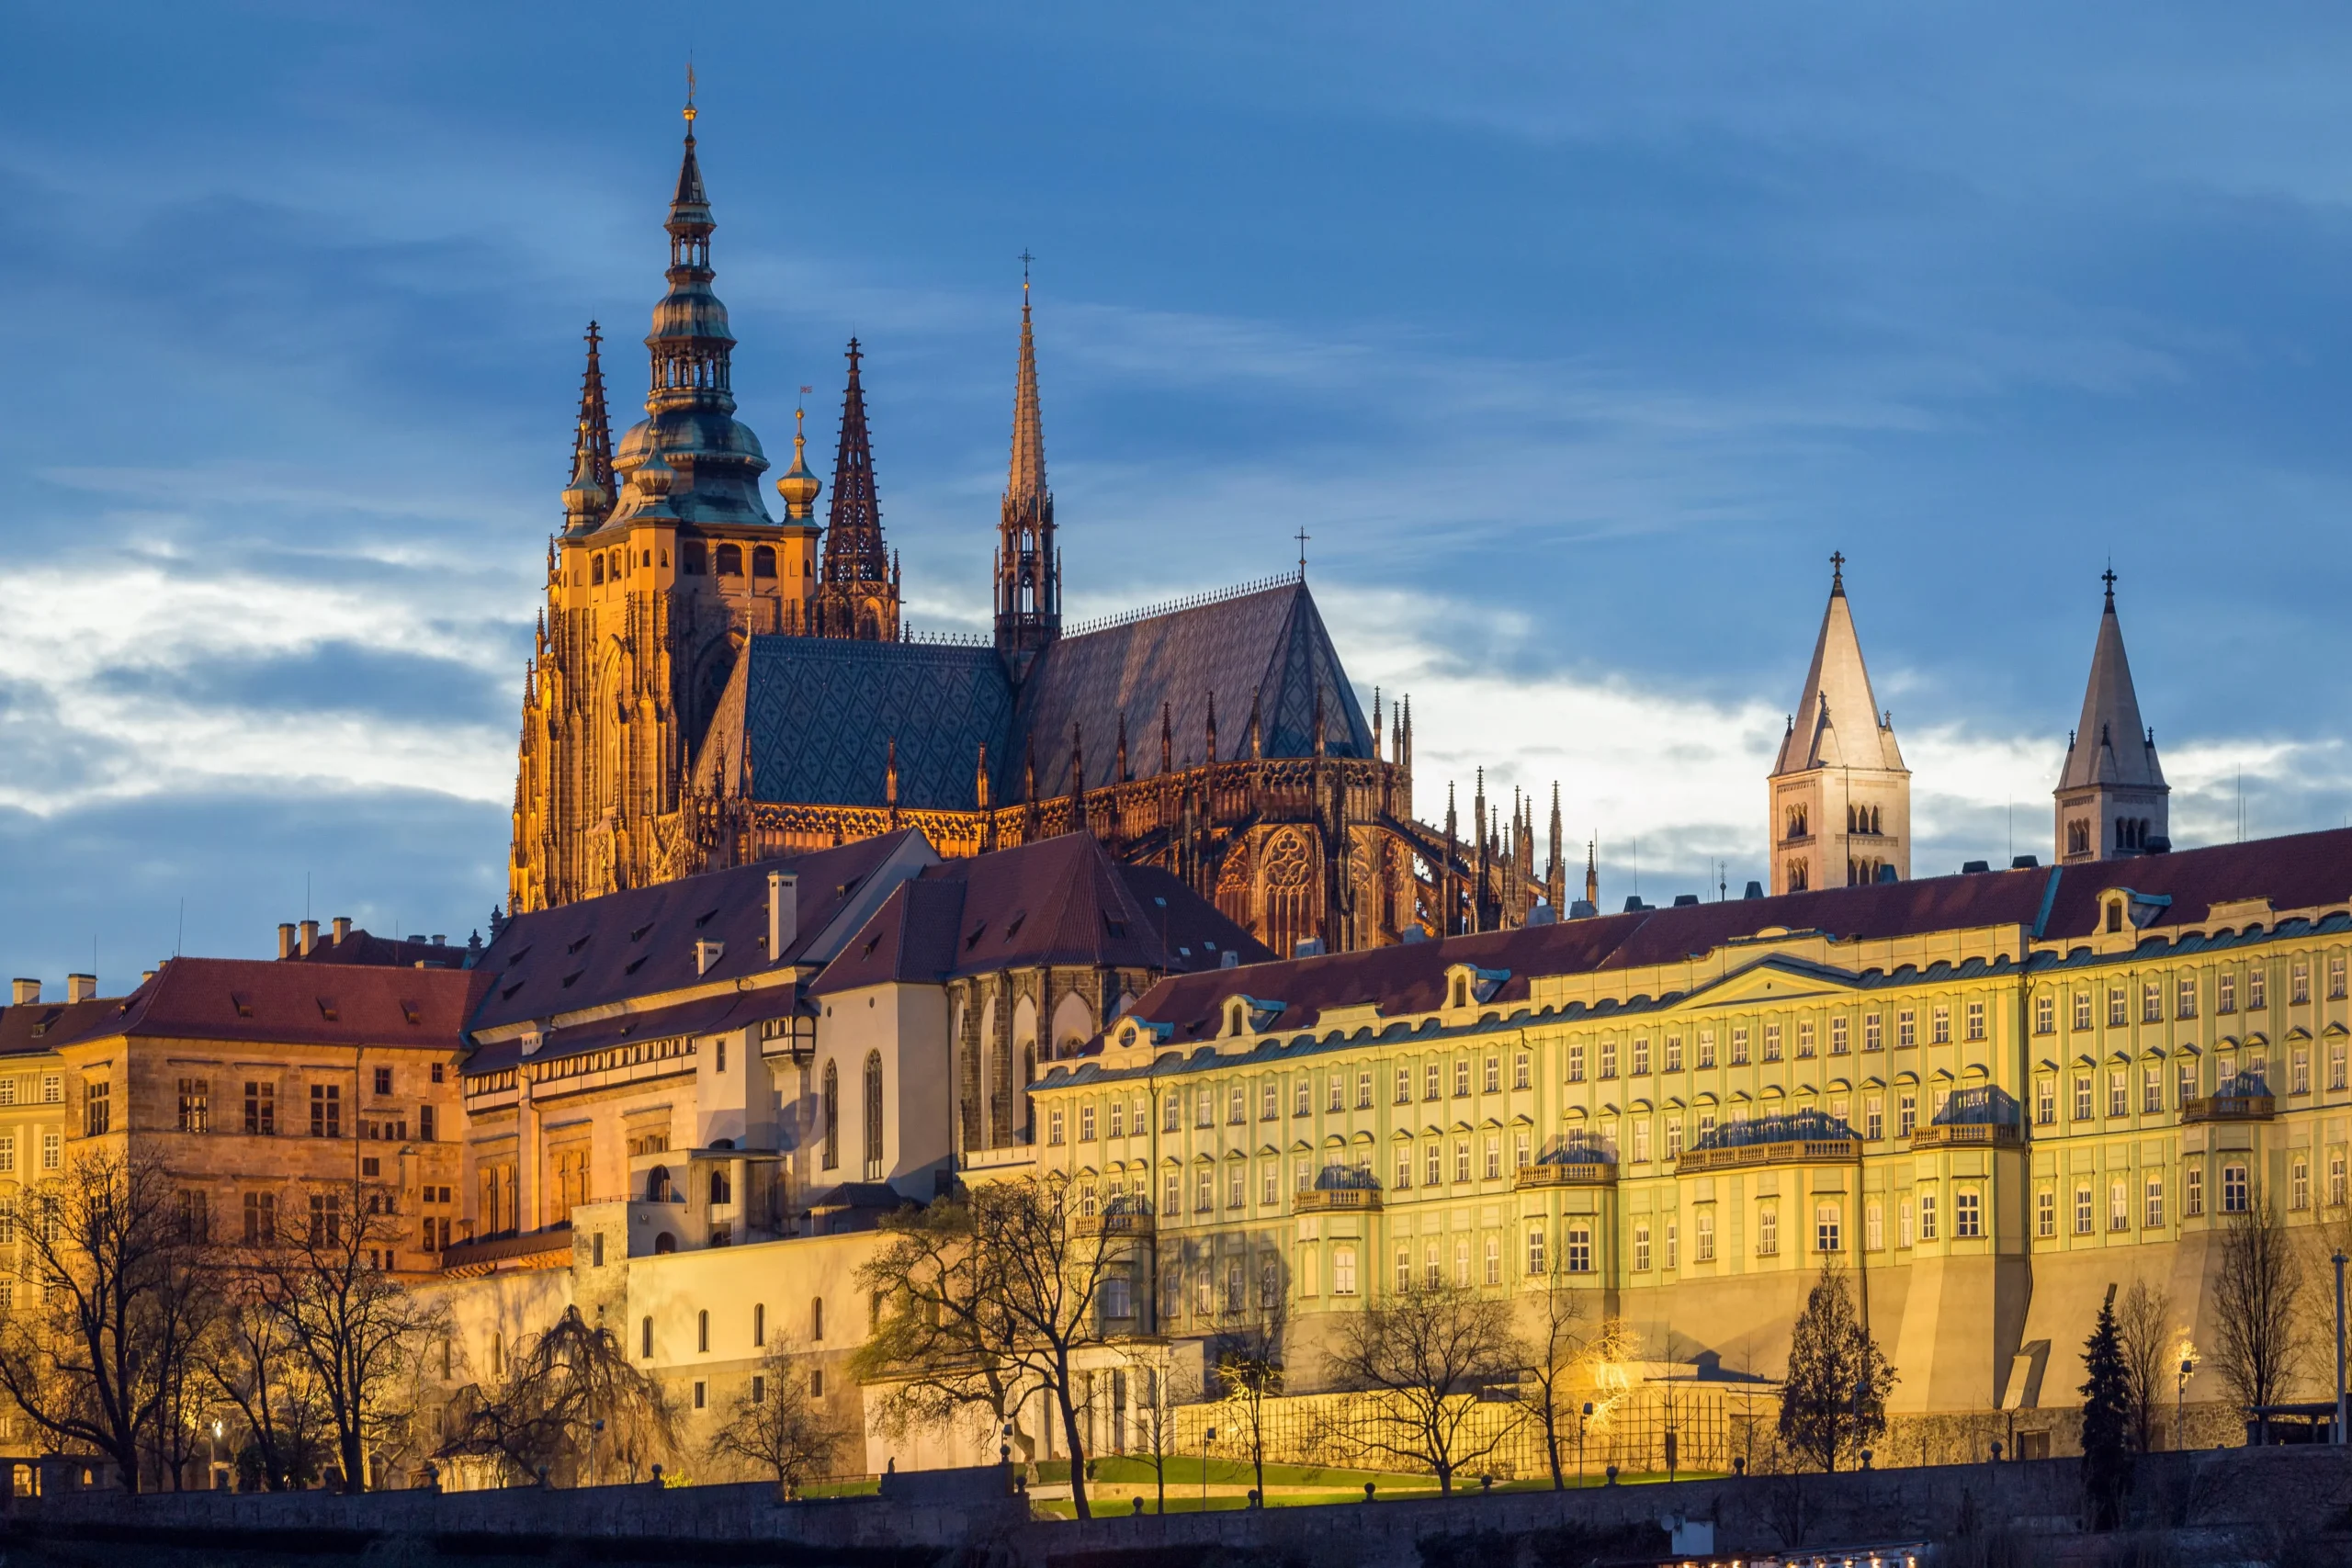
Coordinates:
(1061, 900)
(38, 1026)
(269, 1002)
(364, 947)
(2048, 903)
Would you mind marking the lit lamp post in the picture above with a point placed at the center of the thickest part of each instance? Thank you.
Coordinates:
(2181, 1406)
(1583, 1415)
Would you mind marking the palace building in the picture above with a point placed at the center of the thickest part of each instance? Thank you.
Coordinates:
(712, 686)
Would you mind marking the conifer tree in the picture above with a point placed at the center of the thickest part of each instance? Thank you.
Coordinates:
(1834, 1398)
(2107, 1420)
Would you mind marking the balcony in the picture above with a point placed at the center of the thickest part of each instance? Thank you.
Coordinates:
(1786, 1151)
(1126, 1221)
(2230, 1108)
(1967, 1135)
(1337, 1200)
(1566, 1173)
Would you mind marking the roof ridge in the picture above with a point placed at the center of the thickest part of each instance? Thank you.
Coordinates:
(1188, 602)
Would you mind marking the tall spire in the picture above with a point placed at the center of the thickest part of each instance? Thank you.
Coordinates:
(1838, 722)
(1028, 570)
(593, 414)
(854, 548)
(2112, 792)
(1839, 795)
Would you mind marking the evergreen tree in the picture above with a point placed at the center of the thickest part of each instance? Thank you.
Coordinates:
(2107, 1420)
(1834, 1398)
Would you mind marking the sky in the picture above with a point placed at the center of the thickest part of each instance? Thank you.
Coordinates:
(1577, 338)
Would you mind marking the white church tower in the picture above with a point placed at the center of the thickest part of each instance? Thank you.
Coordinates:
(2112, 793)
(1841, 798)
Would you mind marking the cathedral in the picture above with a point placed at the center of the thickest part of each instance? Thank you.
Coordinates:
(712, 686)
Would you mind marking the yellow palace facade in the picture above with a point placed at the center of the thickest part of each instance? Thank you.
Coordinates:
(1988, 1096)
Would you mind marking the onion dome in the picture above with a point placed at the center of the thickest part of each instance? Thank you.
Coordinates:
(652, 480)
(798, 486)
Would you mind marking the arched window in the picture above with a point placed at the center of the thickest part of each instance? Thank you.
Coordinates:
(762, 561)
(1028, 1076)
(817, 1317)
(657, 1184)
(596, 572)
(720, 1190)
(665, 1242)
(1800, 878)
(832, 1112)
(645, 1330)
(874, 1116)
(759, 1323)
(731, 561)
(702, 1331)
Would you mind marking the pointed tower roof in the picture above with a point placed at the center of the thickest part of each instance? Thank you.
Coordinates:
(1025, 487)
(1838, 722)
(2111, 746)
(593, 415)
(854, 549)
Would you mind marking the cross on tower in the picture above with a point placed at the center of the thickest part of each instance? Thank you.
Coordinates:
(1837, 568)
(1303, 536)
(1026, 259)
(2108, 577)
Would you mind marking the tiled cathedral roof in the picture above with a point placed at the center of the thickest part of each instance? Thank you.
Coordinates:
(818, 715)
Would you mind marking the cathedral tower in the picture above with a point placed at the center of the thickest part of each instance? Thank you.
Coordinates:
(2112, 793)
(860, 595)
(1839, 798)
(1028, 563)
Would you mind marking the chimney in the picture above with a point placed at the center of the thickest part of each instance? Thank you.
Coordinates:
(81, 987)
(25, 992)
(341, 928)
(310, 936)
(146, 977)
(707, 952)
(439, 940)
(285, 939)
(783, 912)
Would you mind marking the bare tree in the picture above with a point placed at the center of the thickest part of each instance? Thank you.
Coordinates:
(1545, 1387)
(115, 1297)
(1000, 1284)
(2257, 1290)
(1420, 1356)
(1250, 1363)
(2144, 1321)
(540, 1417)
(770, 1423)
(1834, 1398)
(249, 1363)
(347, 1323)
(1163, 1390)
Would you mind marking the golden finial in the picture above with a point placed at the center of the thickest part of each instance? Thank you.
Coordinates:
(690, 96)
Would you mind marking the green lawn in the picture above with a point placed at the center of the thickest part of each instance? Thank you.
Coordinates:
(1225, 1484)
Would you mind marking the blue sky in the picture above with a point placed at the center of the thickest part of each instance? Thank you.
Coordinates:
(1577, 337)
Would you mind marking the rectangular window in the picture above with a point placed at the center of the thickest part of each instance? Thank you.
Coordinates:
(1874, 1226)
(1906, 1113)
(1703, 1244)
(1343, 1269)
(98, 1105)
(1874, 1118)
(1967, 1214)
(1941, 1020)
(384, 1076)
(195, 1096)
(1237, 1185)
(2185, 1001)
(261, 1219)
(1873, 1035)
(1404, 1086)
(2082, 1097)
(1804, 1037)
(2115, 1015)
(1579, 1246)
(2192, 1198)
(2151, 1002)
(1433, 1165)
(1335, 1097)
(1827, 1227)
(2045, 1102)
(1493, 1076)
(1772, 1041)
(1641, 1247)
(1906, 1030)
(1204, 1191)
(2335, 1065)
(2335, 1178)
(1535, 1260)
(2299, 982)
(1432, 1082)
(1494, 1157)
(1302, 1098)
(1674, 1137)
(2152, 1089)
(2257, 988)
(1086, 1123)
(2299, 1070)
(1927, 1216)
(2118, 1206)
(2045, 1014)
(1673, 1063)
(1768, 1230)
(52, 1089)
(1608, 1058)
(326, 1111)
(1641, 1140)
(1521, 1155)
(1641, 1067)
(1902, 1223)
(1673, 1241)
(1462, 1076)
(2184, 1082)
(1172, 1196)
(1054, 1127)
(2299, 1184)
(1521, 1070)
(1461, 1159)
(2045, 1212)
(1838, 1036)
(2234, 1189)
(1493, 1259)
(2336, 976)
(1269, 1188)
(2082, 1010)
(1576, 1061)
(52, 1149)
(8, 1154)
(1404, 1166)
(1739, 1044)
(1976, 1020)
(2153, 1203)
(1236, 1105)
(2118, 1097)
(1706, 1047)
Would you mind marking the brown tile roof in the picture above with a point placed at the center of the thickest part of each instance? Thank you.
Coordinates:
(268, 1002)
(709, 1015)
(38, 1026)
(641, 942)
(364, 947)
(1061, 900)
(2047, 903)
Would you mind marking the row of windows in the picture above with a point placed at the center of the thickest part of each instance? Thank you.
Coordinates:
(260, 1109)
(757, 1326)
(2184, 996)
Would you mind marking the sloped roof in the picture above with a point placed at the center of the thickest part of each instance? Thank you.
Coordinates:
(1060, 900)
(640, 941)
(2299, 872)
(819, 716)
(363, 947)
(709, 1015)
(2111, 746)
(268, 1002)
(1836, 722)
(38, 1026)
(1269, 646)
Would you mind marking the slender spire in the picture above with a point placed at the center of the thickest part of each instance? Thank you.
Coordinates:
(1592, 872)
(854, 548)
(1028, 580)
(2112, 744)
(1842, 726)
(593, 415)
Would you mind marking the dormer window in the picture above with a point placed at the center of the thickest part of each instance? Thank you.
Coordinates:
(1467, 985)
(2113, 904)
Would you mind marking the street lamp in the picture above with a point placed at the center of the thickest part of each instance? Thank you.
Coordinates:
(1582, 1417)
(1208, 1435)
(595, 1429)
(2181, 1405)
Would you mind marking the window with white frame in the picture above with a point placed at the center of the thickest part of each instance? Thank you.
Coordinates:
(2045, 1014)
(1706, 1047)
(1967, 1213)
(2234, 1189)
(1522, 1073)
(1839, 1036)
(1641, 1247)
(1577, 1243)
(1641, 1056)
(1768, 1230)
(2299, 1184)
(1535, 1265)
(1702, 1235)
(2082, 1010)
(1927, 1216)
(2185, 997)
(2152, 1201)
(2045, 1212)
(1942, 1018)
(1827, 1229)
(1672, 1053)
(2192, 1194)
(1976, 1017)
(1608, 1058)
